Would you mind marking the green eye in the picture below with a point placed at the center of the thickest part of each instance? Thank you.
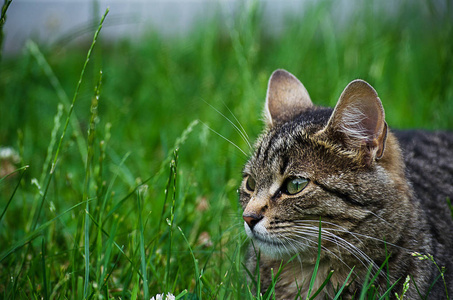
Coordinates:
(295, 185)
(250, 184)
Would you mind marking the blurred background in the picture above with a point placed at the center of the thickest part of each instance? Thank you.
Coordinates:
(103, 171)
(173, 56)
(52, 21)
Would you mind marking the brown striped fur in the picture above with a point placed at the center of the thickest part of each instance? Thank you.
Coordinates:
(364, 181)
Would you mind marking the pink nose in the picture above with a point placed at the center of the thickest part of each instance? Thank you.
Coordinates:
(252, 219)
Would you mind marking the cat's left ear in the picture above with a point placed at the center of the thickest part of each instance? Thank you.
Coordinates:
(358, 120)
(285, 99)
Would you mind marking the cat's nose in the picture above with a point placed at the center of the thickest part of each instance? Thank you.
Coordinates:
(252, 219)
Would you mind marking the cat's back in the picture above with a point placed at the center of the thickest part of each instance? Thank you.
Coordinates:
(429, 163)
(429, 167)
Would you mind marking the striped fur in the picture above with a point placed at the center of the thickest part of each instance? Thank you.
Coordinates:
(359, 184)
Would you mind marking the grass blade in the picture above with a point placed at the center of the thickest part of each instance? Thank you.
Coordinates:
(318, 258)
(76, 94)
(173, 168)
(389, 289)
(120, 249)
(326, 281)
(344, 285)
(44, 276)
(13, 172)
(196, 267)
(2, 23)
(34, 234)
(23, 169)
(33, 48)
(50, 148)
(142, 248)
(90, 154)
(450, 206)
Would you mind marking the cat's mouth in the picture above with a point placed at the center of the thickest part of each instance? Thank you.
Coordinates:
(261, 235)
(270, 245)
(259, 238)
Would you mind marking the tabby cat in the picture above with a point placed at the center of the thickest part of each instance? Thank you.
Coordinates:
(375, 194)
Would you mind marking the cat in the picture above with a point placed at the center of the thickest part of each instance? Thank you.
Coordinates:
(374, 192)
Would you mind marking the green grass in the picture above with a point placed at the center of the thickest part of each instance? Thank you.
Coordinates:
(129, 192)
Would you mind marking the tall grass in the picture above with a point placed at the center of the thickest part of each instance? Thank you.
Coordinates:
(129, 192)
(5, 7)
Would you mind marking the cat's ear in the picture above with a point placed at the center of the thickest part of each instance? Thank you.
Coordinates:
(359, 120)
(286, 98)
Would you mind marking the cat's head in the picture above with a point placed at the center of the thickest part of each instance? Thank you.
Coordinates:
(340, 165)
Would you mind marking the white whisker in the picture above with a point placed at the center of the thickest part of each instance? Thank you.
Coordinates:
(363, 258)
(355, 234)
(239, 148)
(242, 133)
(246, 136)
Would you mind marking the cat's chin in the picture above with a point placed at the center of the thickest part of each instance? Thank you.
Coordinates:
(272, 247)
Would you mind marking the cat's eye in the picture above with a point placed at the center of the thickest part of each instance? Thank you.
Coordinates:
(295, 185)
(250, 184)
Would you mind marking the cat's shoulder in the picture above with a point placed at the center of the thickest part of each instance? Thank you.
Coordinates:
(428, 156)
(424, 139)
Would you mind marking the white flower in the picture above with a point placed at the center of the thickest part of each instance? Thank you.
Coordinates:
(8, 153)
(8, 160)
(169, 296)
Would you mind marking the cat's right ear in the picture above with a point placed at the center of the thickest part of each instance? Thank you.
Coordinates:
(286, 98)
(358, 120)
